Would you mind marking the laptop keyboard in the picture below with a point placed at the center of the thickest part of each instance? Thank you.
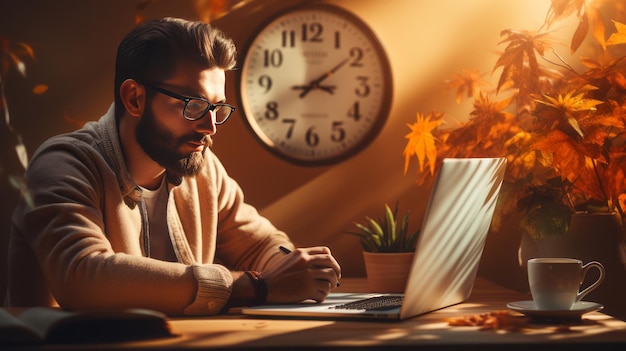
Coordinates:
(377, 303)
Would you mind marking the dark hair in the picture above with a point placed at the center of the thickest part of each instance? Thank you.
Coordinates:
(151, 51)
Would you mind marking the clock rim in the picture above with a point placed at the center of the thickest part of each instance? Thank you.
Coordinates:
(381, 117)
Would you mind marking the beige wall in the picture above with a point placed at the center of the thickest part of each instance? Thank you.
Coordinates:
(427, 41)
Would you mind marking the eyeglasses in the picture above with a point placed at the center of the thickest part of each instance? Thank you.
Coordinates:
(195, 107)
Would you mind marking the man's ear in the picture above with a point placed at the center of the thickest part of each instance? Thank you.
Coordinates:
(133, 97)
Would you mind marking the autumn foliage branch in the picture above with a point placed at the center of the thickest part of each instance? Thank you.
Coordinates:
(562, 130)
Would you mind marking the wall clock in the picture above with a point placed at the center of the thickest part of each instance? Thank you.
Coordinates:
(315, 84)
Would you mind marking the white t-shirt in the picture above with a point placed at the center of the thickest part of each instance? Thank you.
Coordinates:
(156, 205)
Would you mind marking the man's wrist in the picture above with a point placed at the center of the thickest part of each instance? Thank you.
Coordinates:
(260, 287)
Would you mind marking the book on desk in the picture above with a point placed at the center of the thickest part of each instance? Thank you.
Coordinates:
(36, 325)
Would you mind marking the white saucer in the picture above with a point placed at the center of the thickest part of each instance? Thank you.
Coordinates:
(530, 309)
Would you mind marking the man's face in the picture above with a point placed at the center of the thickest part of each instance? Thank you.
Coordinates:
(175, 143)
(163, 146)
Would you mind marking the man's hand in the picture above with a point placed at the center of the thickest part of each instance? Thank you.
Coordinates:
(306, 273)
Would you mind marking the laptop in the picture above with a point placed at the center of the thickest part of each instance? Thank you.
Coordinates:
(454, 230)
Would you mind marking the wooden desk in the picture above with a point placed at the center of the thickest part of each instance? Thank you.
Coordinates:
(428, 332)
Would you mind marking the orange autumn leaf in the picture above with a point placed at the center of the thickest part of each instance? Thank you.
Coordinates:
(581, 33)
(619, 80)
(25, 50)
(569, 158)
(139, 8)
(488, 121)
(572, 101)
(519, 59)
(206, 10)
(611, 71)
(569, 103)
(40, 89)
(468, 82)
(210, 9)
(421, 141)
(566, 154)
(484, 107)
(563, 8)
(589, 17)
(597, 22)
(618, 37)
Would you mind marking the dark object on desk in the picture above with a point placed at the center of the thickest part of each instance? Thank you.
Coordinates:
(376, 303)
(38, 325)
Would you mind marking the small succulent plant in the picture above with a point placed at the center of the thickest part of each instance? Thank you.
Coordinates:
(388, 234)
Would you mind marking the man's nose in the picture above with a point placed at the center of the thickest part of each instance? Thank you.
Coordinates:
(206, 124)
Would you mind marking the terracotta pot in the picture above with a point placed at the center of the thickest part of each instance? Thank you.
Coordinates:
(591, 237)
(387, 272)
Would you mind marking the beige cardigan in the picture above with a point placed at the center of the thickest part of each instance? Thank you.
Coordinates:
(82, 244)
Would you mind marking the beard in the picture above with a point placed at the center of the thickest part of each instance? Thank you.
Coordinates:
(162, 146)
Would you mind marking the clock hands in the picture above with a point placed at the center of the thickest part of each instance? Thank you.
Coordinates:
(307, 88)
(315, 84)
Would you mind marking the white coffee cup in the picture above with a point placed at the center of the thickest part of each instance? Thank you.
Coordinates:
(555, 282)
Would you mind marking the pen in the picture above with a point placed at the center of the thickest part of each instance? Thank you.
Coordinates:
(286, 251)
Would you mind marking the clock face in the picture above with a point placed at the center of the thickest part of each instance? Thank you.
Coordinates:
(315, 85)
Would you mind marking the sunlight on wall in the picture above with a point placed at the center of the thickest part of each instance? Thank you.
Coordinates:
(445, 37)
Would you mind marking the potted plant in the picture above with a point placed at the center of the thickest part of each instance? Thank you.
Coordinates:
(562, 128)
(561, 125)
(388, 249)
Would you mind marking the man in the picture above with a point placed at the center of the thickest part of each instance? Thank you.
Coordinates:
(134, 210)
